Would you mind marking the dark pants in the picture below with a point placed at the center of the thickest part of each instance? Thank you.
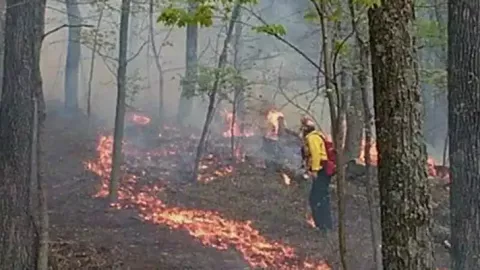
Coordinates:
(271, 151)
(320, 201)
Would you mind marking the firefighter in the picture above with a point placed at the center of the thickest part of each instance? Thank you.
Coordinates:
(272, 130)
(316, 157)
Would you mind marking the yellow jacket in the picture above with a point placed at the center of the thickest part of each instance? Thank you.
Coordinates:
(315, 150)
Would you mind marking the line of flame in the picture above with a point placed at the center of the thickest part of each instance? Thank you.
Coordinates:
(207, 226)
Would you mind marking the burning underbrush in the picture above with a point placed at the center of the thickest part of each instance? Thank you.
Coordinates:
(252, 216)
(150, 185)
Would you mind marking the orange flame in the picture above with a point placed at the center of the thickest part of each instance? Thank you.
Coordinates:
(273, 121)
(310, 221)
(138, 119)
(433, 169)
(232, 124)
(209, 227)
(205, 164)
(373, 154)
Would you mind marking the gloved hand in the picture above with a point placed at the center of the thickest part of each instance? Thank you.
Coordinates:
(324, 163)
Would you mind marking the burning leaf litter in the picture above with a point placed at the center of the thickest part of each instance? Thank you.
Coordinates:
(209, 227)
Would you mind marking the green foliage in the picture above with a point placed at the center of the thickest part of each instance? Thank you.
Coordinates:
(335, 15)
(368, 3)
(203, 14)
(229, 79)
(271, 29)
(431, 32)
(106, 50)
(135, 84)
(311, 16)
(435, 77)
(341, 47)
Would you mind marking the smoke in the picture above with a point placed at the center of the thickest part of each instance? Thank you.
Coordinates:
(263, 60)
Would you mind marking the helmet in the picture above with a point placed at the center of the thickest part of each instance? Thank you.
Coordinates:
(306, 121)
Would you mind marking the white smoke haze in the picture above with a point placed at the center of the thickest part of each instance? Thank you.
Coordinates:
(264, 60)
(297, 74)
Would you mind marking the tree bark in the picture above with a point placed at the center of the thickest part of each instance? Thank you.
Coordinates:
(406, 214)
(464, 132)
(190, 80)
(156, 54)
(222, 61)
(19, 238)
(72, 66)
(2, 40)
(360, 79)
(238, 104)
(92, 61)
(41, 191)
(121, 95)
(354, 120)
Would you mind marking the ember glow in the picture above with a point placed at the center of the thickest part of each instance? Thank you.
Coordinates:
(138, 119)
(232, 124)
(209, 227)
(310, 221)
(232, 128)
(206, 163)
(286, 179)
(433, 169)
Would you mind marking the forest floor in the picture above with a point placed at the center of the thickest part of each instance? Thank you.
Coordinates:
(236, 221)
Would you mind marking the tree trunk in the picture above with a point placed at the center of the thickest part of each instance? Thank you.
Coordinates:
(359, 24)
(222, 61)
(121, 95)
(72, 66)
(92, 61)
(190, 80)
(19, 237)
(41, 191)
(156, 54)
(464, 132)
(342, 90)
(337, 115)
(2, 41)
(39, 197)
(406, 214)
(354, 120)
(327, 65)
(239, 88)
(354, 117)
(238, 104)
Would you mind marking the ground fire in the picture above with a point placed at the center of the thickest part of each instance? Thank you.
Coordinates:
(241, 131)
(137, 118)
(209, 227)
(148, 171)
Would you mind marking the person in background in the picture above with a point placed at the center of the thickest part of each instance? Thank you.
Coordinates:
(316, 161)
(273, 129)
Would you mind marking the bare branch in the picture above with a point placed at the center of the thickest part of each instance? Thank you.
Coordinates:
(293, 47)
(289, 100)
(138, 52)
(65, 26)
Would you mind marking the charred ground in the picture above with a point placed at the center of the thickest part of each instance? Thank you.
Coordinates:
(86, 234)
